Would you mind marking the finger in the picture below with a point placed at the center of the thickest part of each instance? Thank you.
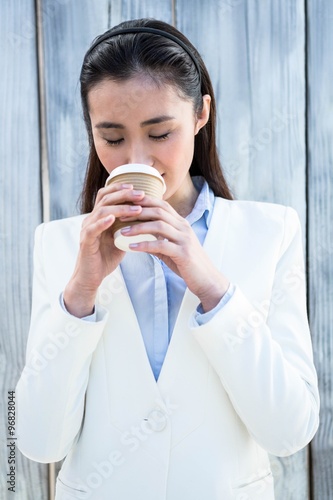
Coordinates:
(117, 211)
(119, 196)
(91, 232)
(159, 229)
(162, 247)
(160, 214)
(150, 201)
(111, 188)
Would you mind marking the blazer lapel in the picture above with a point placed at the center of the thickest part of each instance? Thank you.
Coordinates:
(132, 386)
(218, 231)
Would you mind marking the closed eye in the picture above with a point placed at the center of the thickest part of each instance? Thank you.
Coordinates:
(113, 143)
(154, 137)
(160, 137)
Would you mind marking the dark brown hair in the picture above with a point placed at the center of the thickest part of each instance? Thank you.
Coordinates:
(125, 56)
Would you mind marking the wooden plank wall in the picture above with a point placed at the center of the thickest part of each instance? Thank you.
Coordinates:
(320, 237)
(270, 63)
(20, 213)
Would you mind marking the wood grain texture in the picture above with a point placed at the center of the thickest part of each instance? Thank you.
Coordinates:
(136, 9)
(320, 205)
(20, 213)
(254, 52)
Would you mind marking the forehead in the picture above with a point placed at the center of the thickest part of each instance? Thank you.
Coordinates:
(136, 96)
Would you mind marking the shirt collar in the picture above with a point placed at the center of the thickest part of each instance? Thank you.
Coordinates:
(203, 206)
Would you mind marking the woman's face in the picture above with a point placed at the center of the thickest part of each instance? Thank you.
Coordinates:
(138, 122)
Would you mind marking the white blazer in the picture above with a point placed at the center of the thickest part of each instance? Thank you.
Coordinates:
(230, 391)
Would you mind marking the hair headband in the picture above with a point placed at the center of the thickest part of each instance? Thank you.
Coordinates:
(143, 29)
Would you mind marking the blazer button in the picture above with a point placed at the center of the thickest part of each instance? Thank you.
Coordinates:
(156, 420)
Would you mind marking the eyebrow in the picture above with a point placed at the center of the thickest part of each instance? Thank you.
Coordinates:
(152, 121)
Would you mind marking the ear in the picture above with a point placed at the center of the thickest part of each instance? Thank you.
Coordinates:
(203, 118)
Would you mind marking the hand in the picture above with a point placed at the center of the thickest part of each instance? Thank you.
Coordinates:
(98, 256)
(178, 246)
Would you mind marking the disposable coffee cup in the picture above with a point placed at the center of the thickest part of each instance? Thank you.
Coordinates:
(143, 178)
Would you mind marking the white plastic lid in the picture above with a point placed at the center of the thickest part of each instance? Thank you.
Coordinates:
(136, 167)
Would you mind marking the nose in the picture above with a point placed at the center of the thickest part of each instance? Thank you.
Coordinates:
(139, 153)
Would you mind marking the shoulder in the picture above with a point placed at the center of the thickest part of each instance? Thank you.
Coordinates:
(67, 229)
(55, 253)
(252, 208)
(257, 212)
(58, 240)
(268, 222)
(61, 225)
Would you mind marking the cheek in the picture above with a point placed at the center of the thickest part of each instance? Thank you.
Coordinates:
(109, 157)
(183, 150)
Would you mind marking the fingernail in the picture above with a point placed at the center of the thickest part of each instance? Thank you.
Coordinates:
(126, 186)
(133, 245)
(134, 208)
(126, 229)
(136, 192)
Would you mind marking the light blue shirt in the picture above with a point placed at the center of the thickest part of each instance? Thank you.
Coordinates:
(156, 292)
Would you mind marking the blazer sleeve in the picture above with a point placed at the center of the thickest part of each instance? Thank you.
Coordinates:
(264, 359)
(50, 393)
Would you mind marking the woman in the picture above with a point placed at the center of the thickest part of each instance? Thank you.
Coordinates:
(170, 371)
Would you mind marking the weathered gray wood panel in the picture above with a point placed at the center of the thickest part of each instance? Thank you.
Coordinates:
(254, 52)
(135, 9)
(320, 196)
(20, 213)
